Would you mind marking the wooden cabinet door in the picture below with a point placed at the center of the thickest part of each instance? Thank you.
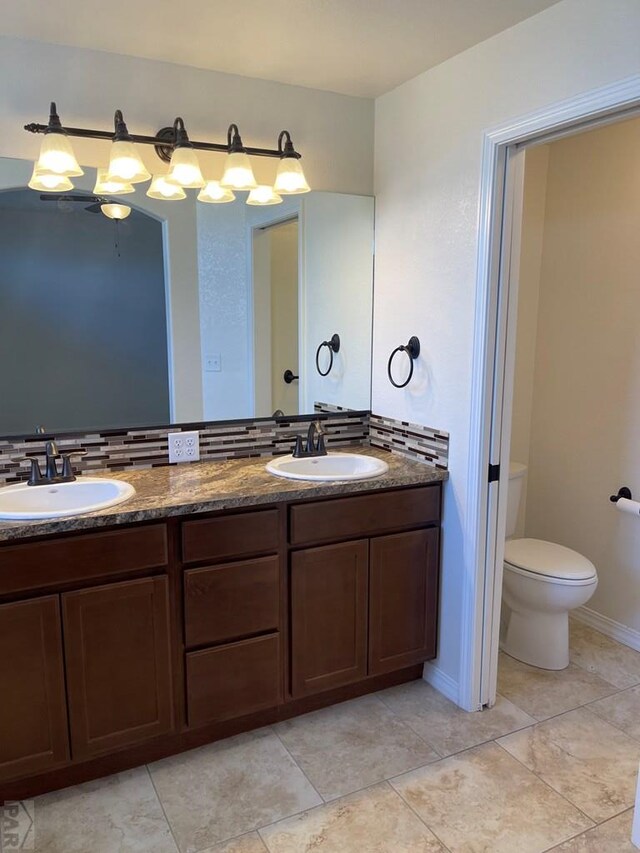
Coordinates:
(403, 601)
(33, 710)
(328, 616)
(118, 665)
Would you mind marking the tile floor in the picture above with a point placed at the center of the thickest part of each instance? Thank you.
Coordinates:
(551, 767)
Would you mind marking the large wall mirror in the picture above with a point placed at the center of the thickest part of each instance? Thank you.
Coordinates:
(183, 311)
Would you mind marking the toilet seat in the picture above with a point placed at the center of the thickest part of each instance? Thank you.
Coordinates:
(548, 561)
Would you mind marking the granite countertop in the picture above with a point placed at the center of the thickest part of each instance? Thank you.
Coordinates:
(175, 490)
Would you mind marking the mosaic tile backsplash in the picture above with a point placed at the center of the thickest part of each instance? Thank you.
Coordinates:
(117, 450)
(412, 440)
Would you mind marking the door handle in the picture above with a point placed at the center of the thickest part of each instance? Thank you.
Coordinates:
(289, 377)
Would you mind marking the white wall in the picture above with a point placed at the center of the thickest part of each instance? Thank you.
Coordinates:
(585, 418)
(334, 133)
(429, 135)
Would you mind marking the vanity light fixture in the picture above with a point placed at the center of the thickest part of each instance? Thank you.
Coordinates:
(125, 164)
(48, 182)
(165, 190)
(173, 146)
(56, 154)
(238, 174)
(184, 169)
(115, 211)
(290, 179)
(264, 195)
(213, 193)
(111, 186)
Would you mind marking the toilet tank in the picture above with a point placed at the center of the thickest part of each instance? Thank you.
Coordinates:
(517, 473)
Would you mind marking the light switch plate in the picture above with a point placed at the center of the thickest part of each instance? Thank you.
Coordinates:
(184, 446)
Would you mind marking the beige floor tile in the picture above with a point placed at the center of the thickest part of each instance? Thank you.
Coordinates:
(621, 710)
(544, 693)
(220, 791)
(372, 821)
(118, 814)
(251, 843)
(484, 801)
(591, 650)
(591, 763)
(614, 836)
(353, 745)
(446, 727)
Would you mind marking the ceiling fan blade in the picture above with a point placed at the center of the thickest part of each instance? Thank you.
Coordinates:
(94, 208)
(67, 197)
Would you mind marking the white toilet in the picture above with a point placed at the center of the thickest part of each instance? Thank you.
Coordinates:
(542, 583)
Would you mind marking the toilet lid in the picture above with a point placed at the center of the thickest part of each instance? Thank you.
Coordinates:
(548, 559)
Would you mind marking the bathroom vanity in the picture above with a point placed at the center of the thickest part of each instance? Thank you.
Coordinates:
(219, 599)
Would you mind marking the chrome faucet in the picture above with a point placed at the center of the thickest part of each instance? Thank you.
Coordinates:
(315, 442)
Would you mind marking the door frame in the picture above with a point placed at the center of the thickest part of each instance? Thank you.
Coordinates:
(499, 222)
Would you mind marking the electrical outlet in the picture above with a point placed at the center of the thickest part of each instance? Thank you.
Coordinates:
(184, 446)
(213, 363)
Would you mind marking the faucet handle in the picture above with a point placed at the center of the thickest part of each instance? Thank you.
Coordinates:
(35, 475)
(67, 469)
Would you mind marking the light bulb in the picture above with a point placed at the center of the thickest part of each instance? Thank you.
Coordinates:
(49, 182)
(238, 174)
(184, 168)
(125, 164)
(290, 179)
(263, 195)
(213, 193)
(115, 211)
(162, 189)
(111, 186)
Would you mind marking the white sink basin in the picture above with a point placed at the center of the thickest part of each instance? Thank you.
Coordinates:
(334, 466)
(86, 494)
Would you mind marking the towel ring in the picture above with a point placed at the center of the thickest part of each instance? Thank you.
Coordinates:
(332, 345)
(412, 349)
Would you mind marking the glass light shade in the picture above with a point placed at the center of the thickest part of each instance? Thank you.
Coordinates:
(290, 179)
(48, 182)
(184, 169)
(115, 211)
(111, 186)
(125, 165)
(57, 157)
(164, 190)
(238, 174)
(213, 193)
(264, 195)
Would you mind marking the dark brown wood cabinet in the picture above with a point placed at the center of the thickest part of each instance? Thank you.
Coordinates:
(33, 708)
(121, 646)
(233, 680)
(403, 599)
(328, 616)
(118, 665)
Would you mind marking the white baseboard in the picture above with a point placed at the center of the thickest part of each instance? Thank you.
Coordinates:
(609, 627)
(442, 682)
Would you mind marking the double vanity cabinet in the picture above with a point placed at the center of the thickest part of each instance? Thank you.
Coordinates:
(124, 644)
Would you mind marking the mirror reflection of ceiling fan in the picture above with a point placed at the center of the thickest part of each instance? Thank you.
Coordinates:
(93, 204)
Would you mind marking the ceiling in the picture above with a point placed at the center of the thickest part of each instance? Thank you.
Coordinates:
(356, 47)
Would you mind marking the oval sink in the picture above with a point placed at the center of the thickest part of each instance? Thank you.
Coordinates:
(86, 494)
(334, 466)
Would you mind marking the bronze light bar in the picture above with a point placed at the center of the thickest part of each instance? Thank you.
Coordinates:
(166, 137)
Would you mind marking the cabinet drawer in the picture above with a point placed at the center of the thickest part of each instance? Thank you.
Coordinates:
(364, 515)
(233, 680)
(231, 600)
(230, 536)
(81, 558)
